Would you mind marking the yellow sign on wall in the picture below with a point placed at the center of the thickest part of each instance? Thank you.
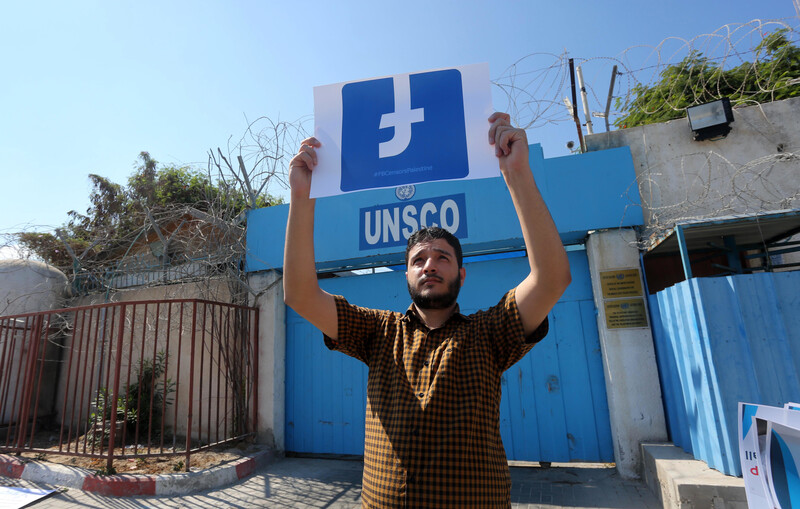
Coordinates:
(621, 283)
(625, 313)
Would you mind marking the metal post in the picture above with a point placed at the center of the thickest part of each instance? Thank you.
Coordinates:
(42, 338)
(153, 378)
(178, 385)
(575, 105)
(117, 369)
(687, 264)
(13, 420)
(191, 388)
(166, 377)
(732, 253)
(75, 332)
(610, 95)
(30, 367)
(585, 102)
(7, 333)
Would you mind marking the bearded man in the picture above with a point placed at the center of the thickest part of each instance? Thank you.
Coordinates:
(433, 388)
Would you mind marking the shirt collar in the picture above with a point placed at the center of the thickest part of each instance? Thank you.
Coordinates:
(412, 314)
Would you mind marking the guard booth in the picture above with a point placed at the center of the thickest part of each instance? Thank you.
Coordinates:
(555, 404)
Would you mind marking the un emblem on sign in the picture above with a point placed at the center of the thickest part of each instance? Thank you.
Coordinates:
(405, 192)
(403, 130)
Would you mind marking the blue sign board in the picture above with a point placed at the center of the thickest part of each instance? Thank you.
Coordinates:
(583, 192)
(392, 224)
(403, 130)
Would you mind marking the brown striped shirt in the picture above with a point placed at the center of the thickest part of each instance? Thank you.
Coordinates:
(433, 403)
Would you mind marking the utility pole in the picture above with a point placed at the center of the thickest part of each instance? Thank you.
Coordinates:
(574, 104)
(585, 101)
(610, 94)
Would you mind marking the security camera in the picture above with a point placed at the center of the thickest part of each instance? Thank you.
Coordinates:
(570, 144)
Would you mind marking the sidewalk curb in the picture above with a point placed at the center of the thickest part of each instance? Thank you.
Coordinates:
(130, 485)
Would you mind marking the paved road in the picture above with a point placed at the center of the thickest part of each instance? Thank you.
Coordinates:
(303, 483)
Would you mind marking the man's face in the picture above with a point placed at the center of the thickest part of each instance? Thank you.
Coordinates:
(433, 276)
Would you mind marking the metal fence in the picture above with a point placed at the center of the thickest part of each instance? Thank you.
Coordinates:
(128, 380)
(142, 274)
(719, 341)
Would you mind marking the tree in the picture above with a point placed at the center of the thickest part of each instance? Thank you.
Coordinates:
(266, 147)
(772, 76)
(117, 213)
(143, 182)
(50, 248)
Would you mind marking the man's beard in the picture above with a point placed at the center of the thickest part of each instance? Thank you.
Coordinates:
(440, 301)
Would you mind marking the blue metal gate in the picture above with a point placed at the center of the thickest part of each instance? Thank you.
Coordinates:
(554, 404)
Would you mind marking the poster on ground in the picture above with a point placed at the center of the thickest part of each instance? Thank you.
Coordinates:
(403, 129)
(13, 497)
(767, 437)
(782, 463)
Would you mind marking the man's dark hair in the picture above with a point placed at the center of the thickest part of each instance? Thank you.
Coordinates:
(431, 234)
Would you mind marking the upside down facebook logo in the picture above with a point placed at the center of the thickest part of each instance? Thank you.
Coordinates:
(403, 130)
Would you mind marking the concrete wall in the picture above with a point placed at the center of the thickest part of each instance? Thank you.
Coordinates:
(632, 385)
(271, 358)
(210, 289)
(756, 168)
(216, 290)
(28, 286)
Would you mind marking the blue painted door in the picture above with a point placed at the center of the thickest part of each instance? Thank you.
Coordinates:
(554, 400)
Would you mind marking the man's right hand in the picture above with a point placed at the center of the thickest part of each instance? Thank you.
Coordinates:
(301, 166)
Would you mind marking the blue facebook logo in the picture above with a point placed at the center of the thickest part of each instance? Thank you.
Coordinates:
(403, 130)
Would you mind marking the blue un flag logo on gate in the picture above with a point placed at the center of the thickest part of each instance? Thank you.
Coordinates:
(403, 130)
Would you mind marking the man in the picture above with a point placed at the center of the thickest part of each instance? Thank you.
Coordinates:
(433, 389)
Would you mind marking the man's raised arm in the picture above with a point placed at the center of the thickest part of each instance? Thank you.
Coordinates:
(549, 277)
(301, 289)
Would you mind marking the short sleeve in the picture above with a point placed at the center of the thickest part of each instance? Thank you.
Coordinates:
(501, 326)
(356, 330)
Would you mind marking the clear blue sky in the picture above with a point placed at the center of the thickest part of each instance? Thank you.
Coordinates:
(86, 86)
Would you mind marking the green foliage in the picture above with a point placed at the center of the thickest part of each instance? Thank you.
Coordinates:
(181, 185)
(697, 80)
(106, 471)
(149, 394)
(108, 209)
(51, 248)
(100, 421)
(149, 391)
(117, 211)
(142, 183)
(103, 407)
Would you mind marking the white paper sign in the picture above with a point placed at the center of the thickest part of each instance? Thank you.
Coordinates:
(403, 129)
(12, 497)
